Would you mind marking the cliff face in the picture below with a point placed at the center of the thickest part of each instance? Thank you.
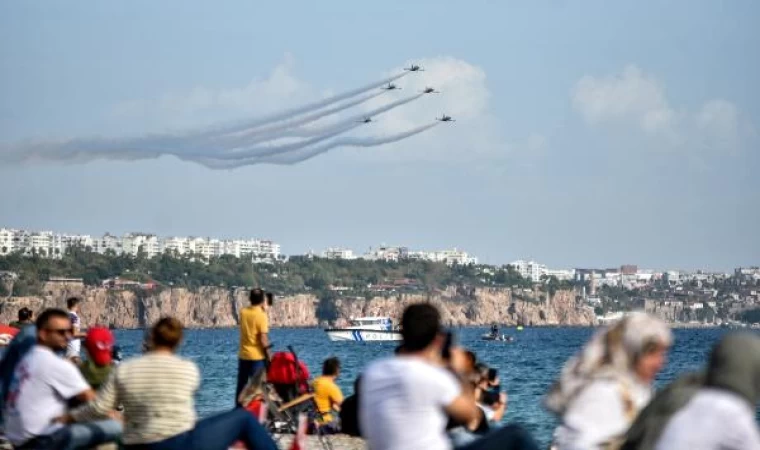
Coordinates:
(218, 307)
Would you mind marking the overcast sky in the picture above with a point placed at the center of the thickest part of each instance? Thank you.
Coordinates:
(588, 133)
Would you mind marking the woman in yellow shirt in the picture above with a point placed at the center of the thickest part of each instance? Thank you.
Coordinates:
(327, 395)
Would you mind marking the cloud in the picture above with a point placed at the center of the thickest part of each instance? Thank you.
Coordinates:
(278, 90)
(636, 100)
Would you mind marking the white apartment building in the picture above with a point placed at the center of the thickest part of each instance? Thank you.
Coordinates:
(8, 243)
(51, 244)
(134, 243)
(107, 243)
(338, 253)
(561, 274)
(454, 256)
(530, 269)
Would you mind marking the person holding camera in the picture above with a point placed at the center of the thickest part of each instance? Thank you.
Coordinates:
(407, 399)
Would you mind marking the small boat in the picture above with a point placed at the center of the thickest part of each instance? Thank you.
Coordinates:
(500, 338)
(362, 329)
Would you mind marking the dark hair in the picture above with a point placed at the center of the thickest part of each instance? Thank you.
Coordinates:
(24, 314)
(257, 296)
(331, 366)
(51, 313)
(420, 324)
(167, 332)
(72, 302)
(471, 358)
(270, 298)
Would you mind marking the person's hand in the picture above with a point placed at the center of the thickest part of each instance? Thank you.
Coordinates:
(116, 415)
(458, 360)
(64, 419)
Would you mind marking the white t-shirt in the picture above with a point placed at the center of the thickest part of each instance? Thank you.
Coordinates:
(42, 383)
(402, 404)
(712, 420)
(597, 415)
(75, 344)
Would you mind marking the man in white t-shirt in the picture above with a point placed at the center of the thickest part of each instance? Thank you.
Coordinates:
(406, 400)
(42, 385)
(74, 347)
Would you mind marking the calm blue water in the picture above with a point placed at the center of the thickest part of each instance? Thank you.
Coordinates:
(527, 366)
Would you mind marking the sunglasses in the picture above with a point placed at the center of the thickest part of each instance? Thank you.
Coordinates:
(60, 331)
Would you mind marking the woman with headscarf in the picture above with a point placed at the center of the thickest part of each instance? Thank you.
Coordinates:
(720, 415)
(601, 389)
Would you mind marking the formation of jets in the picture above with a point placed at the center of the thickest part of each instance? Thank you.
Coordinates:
(427, 90)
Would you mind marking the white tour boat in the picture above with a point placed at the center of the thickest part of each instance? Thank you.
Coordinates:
(366, 329)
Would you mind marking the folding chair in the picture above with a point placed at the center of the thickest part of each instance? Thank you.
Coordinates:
(285, 393)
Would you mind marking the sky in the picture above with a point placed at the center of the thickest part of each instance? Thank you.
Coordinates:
(588, 133)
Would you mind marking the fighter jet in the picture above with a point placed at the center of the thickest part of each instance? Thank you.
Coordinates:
(414, 68)
(390, 87)
(366, 120)
(445, 118)
(429, 90)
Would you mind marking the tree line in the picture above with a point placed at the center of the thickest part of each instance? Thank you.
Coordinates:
(296, 275)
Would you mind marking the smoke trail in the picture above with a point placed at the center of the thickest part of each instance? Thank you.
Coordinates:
(299, 156)
(266, 133)
(324, 134)
(301, 109)
(257, 152)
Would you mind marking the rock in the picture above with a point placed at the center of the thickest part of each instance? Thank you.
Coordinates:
(214, 307)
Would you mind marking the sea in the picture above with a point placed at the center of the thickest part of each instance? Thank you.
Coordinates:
(527, 366)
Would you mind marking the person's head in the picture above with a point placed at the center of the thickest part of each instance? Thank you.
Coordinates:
(646, 340)
(421, 328)
(481, 371)
(166, 334)
(735, 366)
(269, 299)
(73, 303)
(99, 344)
(634, 348)
(257, 297)
(54, 329)
(24, 315)
(331, 367)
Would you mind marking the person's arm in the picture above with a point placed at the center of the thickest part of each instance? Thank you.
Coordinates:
(262, 325)
(336, 397)
(98, 406)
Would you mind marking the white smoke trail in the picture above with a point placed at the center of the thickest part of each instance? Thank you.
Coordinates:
(301, 109)
(264, 134)
(299, 156)
(205, 144)
(340, 128)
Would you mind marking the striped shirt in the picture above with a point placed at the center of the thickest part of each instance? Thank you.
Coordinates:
(156, 391)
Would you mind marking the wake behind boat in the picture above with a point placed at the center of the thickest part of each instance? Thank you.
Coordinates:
(366, 329)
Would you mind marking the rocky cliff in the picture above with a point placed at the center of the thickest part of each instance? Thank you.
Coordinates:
(218, 307)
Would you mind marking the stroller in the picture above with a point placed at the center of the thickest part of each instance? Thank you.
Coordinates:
(283, 394)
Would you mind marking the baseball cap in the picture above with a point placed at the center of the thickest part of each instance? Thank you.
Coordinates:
(99, 344)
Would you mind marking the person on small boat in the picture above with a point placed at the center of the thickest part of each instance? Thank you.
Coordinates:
(494, 331)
